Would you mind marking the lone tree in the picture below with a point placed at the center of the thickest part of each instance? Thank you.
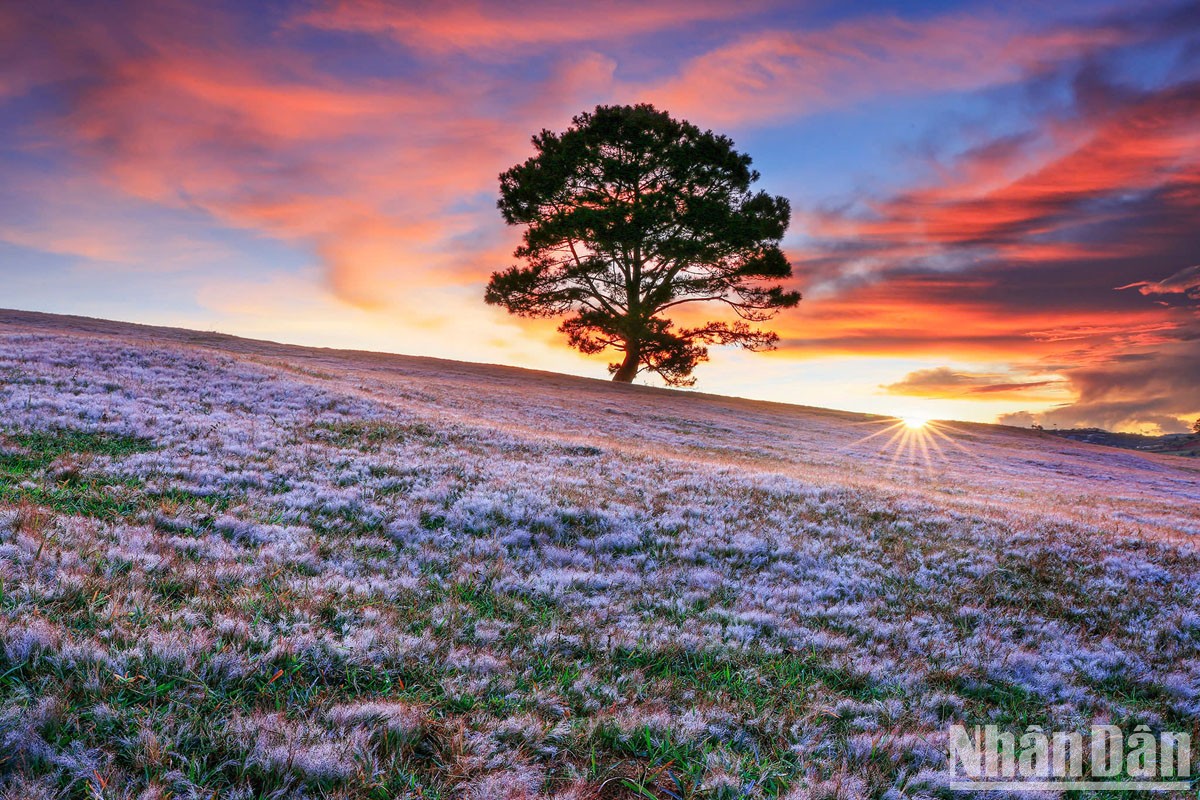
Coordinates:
(629, 214)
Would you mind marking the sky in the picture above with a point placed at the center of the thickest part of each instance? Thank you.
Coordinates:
(996, 206)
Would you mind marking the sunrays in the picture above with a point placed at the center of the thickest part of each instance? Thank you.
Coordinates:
(913, 441)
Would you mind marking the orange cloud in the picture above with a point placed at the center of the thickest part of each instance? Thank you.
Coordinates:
(944, 382)
(964, 318)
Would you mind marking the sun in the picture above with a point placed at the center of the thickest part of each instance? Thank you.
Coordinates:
(914, 441)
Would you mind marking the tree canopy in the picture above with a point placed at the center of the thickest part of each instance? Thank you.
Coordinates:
(630, 214)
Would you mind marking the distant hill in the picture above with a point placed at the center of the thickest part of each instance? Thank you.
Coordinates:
(1173, 444)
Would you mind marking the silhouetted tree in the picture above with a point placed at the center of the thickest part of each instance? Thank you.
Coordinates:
(1196, 426)
(629, 214)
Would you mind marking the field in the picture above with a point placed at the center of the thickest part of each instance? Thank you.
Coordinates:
(236, 569)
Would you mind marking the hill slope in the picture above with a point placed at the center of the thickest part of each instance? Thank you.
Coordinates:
(262, 570)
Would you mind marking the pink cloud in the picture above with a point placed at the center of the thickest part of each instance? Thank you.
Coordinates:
(774, 75)
(491, 27)
(1003, 203)
(1186, 282)
(369, 174)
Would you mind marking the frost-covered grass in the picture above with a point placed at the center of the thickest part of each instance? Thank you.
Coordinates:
(244, 570)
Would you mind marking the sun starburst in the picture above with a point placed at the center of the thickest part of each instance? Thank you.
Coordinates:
(913, 441)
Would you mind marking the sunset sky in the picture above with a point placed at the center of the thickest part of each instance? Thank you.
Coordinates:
(996, 206)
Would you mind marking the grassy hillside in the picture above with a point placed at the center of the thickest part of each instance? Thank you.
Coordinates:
(238, 569)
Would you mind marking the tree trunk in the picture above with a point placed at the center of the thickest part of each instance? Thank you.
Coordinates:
(629, 367)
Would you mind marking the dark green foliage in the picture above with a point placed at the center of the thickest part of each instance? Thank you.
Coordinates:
(71, 487)
(369, 435)
(45, 446)
(630, 213)
(52, 468)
